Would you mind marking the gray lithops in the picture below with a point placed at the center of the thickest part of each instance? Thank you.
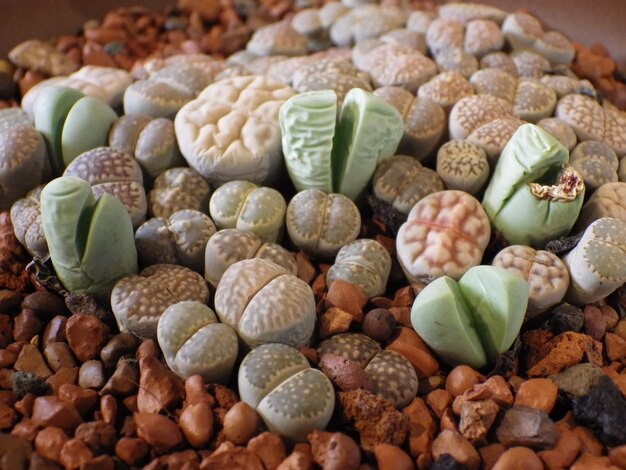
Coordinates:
(277, 39)
(320, 224)
(26, 220)
(596, 162)
(499, 60)
(457, 60)
(597, 265)
(445, 89)
(365, 263)
(292, 398)
(560, 130)
(466, 12)
(522, 30)
(495, 82)
(419, 21)
(494, 135)
(609, 200)
(176, 189)
(245, 206)
(265, 304)
(444, 34)
(547, 276)
(462, 165)
(482, 37)
(555, 47)
(564, 85)
(179, 239)
(229, 246)
(529, 64)
(533, 100)
(614, 128)
(138, 301)
(406, 38)
(473, 111)
(194, 342)
(584, 114)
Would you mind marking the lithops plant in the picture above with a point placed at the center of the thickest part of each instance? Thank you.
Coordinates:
(292, 398)
(564, 84)
(560, 130)
(482, 37)
(249, 147)
(320, 224)
(138, 301)
(86, 88)
(609, 200)
(177, 189)
(614, 128)
(530, 65)
(533, 197)
(42, 57)
(91, 242)
(596, 162)
(391, 374)
(446, 89)
(597, 265)
(277, 39)
(470, 11)
(112, 81)
(443, 34)
(26, 221)
(495, 82)
(195, 343)
(404, 37)
(533, 100)
(494, 135)
(229, 246)
(446, 233)
(419, 21)
(114, 172)
(245, 206)
(462, 165)
(180, 238)
(499, 60)
(401, 181)
(457, 60)
(471, 112)
(364, 22)
(547, 276)
(365, 263)
(265, 304)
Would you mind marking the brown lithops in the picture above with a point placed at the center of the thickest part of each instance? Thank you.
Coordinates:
(457, 60)
(176, 189)
(596, 162)
(470, 11)
(614, 128)
(277, 39)
(494, 135)
(495, 82)
(584, 114)
(555, 47)
(364, 22)
(530, 64)
(522, 30)
(444, 34)
(533, 100)
(462, 165)
(609, 200)
(26, 220)
(446, 89)
(499, 60)
(560, 130)
(483, 37)
(473, 111)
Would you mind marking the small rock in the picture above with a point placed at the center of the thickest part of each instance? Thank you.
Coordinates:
(439, 401)
(346, 374)
(390, 457)
(232, 458)
(147, 348)
(37, 462)
(379, 324)
(8, 416)
(241, 423)
(537, 393)
(196, 423)
(75, 454)
(408, 343)
(46, 304)
(565, 317)
(83, 399)
(347, 297)
(451, 442)
(86, 335)
(577, 380)
(421, 427)
(131, 450)
(91, 375)
(59, 356)
(296, 461)
(494, 388)
(50, 441)
(27, 383)
(615, 347)
(6, 331)
(268, 447)
(7, 359)
(477, 417)
(447, 462)
(158, 431)
(334, 321)
(26, 429)
(52, 411)
(491, 453)
(55, 331)
(98, 435)
(15, 452)
(462, 378)
(564, 452)
(617, 455)
(124, 380)
(102, 462)
(195, 392)
(595, 325)
(159, 388)
(334, 451)
(118, 346)
(63, 376)
(9, 299)
(108, 408)
(31, 360)
(306, 271)
(592, 462)
(520, 458)
(527, 427)
(26, 325)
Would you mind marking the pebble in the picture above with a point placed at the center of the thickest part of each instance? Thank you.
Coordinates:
(390, 457)
(595, 324)
(158, 431)
(55, 331)
(195, 392)
(528, 427)
(131, 450)
(108, 409)
(63, 376)
(564, 452)
(124, 380)
(345, 373)
(348, 297)
(9, 299)
(241, 423)
(537, 393)
(232, 458)
(196, 423)
(46, 304)
(91, 375)
(59, 356)
(334, 450)
(615, 347)
(490, 454)
(408, 343)
(26, 325)
(476, 418)
(8, 416)
(26, 429)
(50, 441)
(462, 378)
(159, 388)
(84, 399)
(453, 443)
(75, 454)
(86, 336)
(296, 461)
(520, 458)
(270, 448)
(52, 411)
(439, 401)
(577, 380)
(31, 360)
(421, 427)
(116, 347)
(98, 436)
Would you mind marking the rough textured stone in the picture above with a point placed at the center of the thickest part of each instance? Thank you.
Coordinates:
(52, 411)
(86, 335)
(578, 380)
(527, 427)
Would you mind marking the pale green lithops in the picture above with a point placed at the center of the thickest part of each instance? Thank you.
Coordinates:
(462, 165)
(391, 374)
(547, 276)
(265, 304)
(473, 320)
(365, 263)
(446, 233)
(179, 239)
(292, 398)
(91, 242)
(609, 200)
(596, 162)
(320, 224)
(337, 158)
(533, 196)
(26, 221)
(597, 265)
(245, 206)
(138, 301)
(194, 342)
(177, 189)
(229, 246)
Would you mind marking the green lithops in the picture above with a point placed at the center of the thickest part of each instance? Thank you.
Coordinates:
(91, 242)
(194, 342)
(473, 320)
(292, 398)
(337, 156)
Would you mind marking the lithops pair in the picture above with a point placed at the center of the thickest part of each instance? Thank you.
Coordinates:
(26, 221)
(471, 112)
(180, 238)
(609, 200)
(245, 206)
(477, 37)
(337, 156)
(138, 301)
(194, 342)
(463, 165)
(246, 143)
(363, 22)
(277, 39)
(178, 189)
(265, 304)
(229, 246)
(91, 242)
(392, 376)
(446, 233)
(292, 398)
(445, 89)
(473, 320)
(533, 197)
(596, 162)
(314, 23)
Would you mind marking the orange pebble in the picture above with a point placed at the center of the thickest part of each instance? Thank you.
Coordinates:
(537, 393)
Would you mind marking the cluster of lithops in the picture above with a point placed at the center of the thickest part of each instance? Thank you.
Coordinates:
(178, 189)
(609, 200)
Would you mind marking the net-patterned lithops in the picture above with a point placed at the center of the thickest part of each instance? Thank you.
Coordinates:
(194, 342)
(444, 34)
(596, 162)
(494, 135)
(466, 12)
(277, 39)
(609, 200)
(446, 89)
(245, 206)
(499, 60)
(495, 82)
(463, 165)
(560, 130)
(457, 60)
(533, 100)
(292, 398)
(471, 112)
(177, 189)
(26, 220)
(483, 37)
(363, 22)
(530, 65)
(584, 114)
(614, 128)
(265, 304)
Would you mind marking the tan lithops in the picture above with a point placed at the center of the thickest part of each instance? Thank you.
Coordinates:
(406, 38)
(261, 65)
(547, 276)
(42, 57)
(483, 37)
(584, 114)
(470, 11)
(330, 12)
(473, 111)
(614, 128)
(530, 64)
(285, 70)
(555, 47)
(499, 60)
(564, 85)
(26, 221)
(522, 30)
(495, 82)
(609, 200)
(596, 162)
(560, 130)
(364, 22)
(277, 39)
(533, 100)
(176, 189)
(444, 34)
(445, 89)
(419, 21)
(457, 60)
(621, 173)
(307, 23)
(463, 166)
(494, 135)
(112, 81)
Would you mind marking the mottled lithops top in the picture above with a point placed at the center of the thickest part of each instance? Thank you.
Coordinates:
(496, 82)
(363, 22)
(499, 60)
(114, 172)
(176, 189)
(277, 39)
(494, 135)
(41, 57)
(473, 111)
(609, 200)
(111, 80)
(547, 276)
(402, 181)
(457, 60)
(483, 37)
(320, 224)
(596, 162)
(231, 130)
(26, 220)
(462, 165)
(229, 246)
(138, 301)
(530, 65)
(206, 63)
(446, 234)
(443, 34)
(446, 89)
(265, 304)
(533, 100)
(584, 114)
(522, 30)
(466, 12)
(564, 85)
(614, 128)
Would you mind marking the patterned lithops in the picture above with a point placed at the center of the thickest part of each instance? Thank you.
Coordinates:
(277, 39)
(320, 224)
(26, 221)
(245, 206)
(446, 89)
(363, 22)
(614, 128)
(597, 265)
(392, 375)
(462, 165)
(530, 65)
(584, 114)
(443, 34)
(229, 246)
(469, 11)
(609, 200)
(494, 135)
(596, 162)
(533, 100)
(265, 304)
(114, 172)
(365, 263)
(138, 301)
(495, 82)
(560, 130)
(177, 189)
(457, 60)
(292, 398)
(180, 238)
(547, 276)
(482, 37)
(473, 111)
(402, 181)
(194, 342)
(499, 60)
